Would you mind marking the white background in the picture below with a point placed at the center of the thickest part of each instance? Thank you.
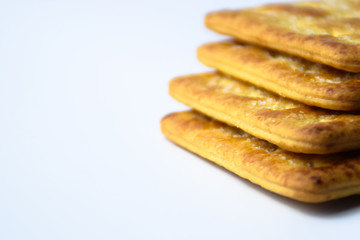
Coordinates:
(83, 86)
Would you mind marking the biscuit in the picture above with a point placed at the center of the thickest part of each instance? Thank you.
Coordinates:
(327, 32)
(293, 77)
(288, 124)
(308, 178)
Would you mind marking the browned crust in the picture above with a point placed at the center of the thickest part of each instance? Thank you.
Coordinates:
(323, 43)
(308, 178)
(292, 77)
(288, 124)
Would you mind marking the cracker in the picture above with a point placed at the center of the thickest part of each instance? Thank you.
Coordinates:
(289, 124)
(327, 32)
(293, 77)
(308, 178)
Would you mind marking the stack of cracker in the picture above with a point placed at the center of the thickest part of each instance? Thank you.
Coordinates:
(282, 108)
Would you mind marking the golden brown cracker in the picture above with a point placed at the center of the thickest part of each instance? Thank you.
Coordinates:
(308, 178)
(293, 77)
(289, 124)
(322, 31)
